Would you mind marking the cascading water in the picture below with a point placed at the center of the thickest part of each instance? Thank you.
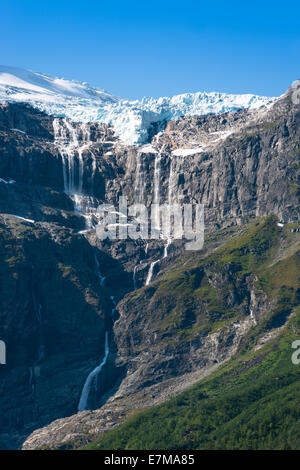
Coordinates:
(139, 181)
(172, 191)
(72, 140)
(170, 186)
(83, 402)
(98, 272)
(169, 241)
(92, 377)
(170, 202)
(139, 196)
(134, 278)
(156, 199)
(157, 178)
(150, 272)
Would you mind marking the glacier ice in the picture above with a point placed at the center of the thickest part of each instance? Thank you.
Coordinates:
(131, 120)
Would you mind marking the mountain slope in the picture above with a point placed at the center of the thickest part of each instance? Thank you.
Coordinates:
(250, 403)
(131, 120)
(24, 85)
(241, 301)
(200, 307)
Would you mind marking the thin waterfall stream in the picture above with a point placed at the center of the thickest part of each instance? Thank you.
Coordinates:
(83, 402)
(93, 375)
(71, 142)
(156, 200)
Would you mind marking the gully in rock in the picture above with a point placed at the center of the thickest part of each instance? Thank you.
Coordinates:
(93, 375)
(157, 201)
(83, 402)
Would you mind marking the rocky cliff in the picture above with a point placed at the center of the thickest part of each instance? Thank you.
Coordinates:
(63, 291)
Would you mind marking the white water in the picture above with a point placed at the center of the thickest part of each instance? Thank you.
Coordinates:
(157, 178)
(150, 272)
(83, 402)
(168, 243)
(30, 221)
(134, 277)
(71, 149)
(139, 183)
(72, 139)
(156, 200)
(7, 182)
(173, 193)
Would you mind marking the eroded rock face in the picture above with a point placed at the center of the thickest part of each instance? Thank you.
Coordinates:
(178, 330)
(53, 317)
(54, 309)
(237, 164)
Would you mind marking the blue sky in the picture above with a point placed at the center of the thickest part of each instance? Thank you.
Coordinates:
(156, 48)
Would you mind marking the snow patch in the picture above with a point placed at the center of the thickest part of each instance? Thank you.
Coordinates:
(7, 182)
(131, 120)
(18, 130)
(147, 149)
(186, 152)
(22, 218)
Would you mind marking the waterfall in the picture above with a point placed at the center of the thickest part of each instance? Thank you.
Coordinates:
(114, 306)
(157, 178)
(83, 402)
(150, 273)
(156, 187)
(66, 140)
(134, 277)
(94, 167)
(168, 243)
(170, 186)
(139, 181)
(98, 272)
(72, 140)
(172, 195)
(173, 190)
(86, 137)
(156, 200)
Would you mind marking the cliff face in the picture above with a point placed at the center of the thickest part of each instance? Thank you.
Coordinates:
(204, 311)
(60, 283)
(237, 164)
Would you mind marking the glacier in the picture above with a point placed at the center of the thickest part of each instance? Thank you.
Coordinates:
(131, 120)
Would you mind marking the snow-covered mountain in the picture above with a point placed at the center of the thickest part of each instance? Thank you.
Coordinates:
(130, 119)
(23, 84)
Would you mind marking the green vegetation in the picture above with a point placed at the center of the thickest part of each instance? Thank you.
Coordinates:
(252, 401)
(270, 125)
(202, 294)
